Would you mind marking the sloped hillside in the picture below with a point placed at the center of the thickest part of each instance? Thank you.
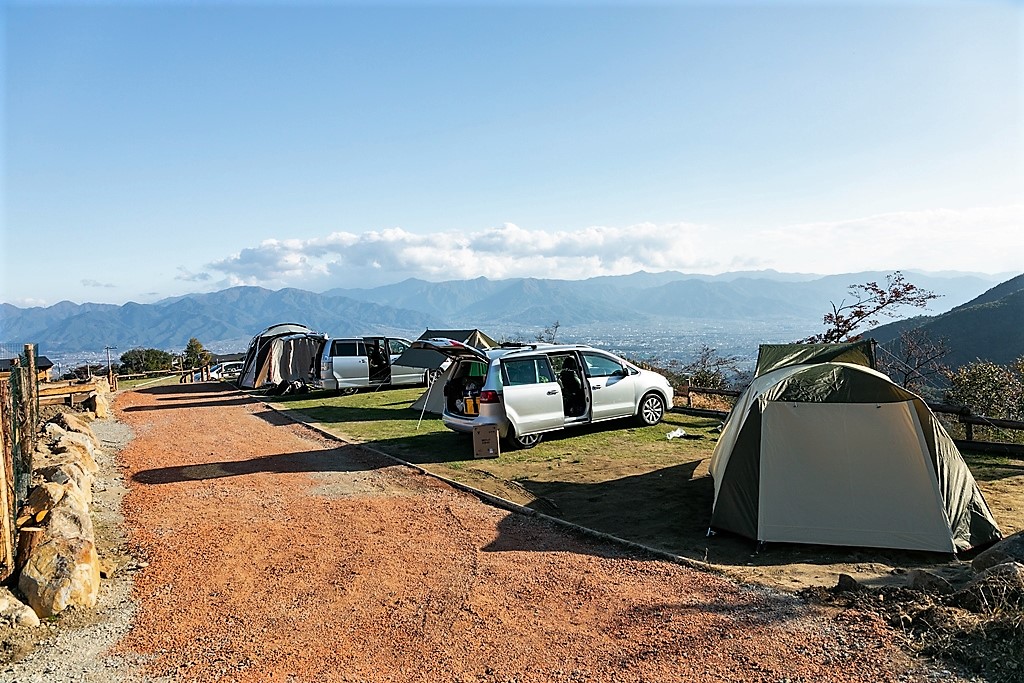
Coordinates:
(990, 327)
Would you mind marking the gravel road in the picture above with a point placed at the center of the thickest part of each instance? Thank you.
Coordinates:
(255, 549)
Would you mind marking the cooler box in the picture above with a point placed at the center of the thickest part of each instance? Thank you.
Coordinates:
(485, 441)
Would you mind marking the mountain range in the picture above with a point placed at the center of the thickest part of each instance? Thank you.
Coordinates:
(989, 327)
(227, 320)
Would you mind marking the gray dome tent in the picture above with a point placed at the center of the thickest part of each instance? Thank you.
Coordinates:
(835, 453)
(285, 352)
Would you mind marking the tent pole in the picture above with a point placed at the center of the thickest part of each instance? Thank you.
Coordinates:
(425, 402)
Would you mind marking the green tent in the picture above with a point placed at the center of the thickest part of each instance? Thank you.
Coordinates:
(773, 356)
(837, 454)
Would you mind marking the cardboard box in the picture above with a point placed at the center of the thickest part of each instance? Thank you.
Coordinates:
(485, 441)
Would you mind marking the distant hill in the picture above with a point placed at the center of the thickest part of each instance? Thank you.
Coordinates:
(223, 320)
(989, 327)
(227, 320)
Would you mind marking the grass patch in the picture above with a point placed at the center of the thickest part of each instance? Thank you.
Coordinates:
(385, 420)
(125, 384)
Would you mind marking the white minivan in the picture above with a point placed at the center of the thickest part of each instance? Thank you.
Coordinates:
(353, 363)
(529, 389)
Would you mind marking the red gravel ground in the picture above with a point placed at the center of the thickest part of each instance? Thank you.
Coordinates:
(278, 555)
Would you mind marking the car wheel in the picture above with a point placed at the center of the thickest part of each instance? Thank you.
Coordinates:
(347, 391)
(652, 409)
(524, 442)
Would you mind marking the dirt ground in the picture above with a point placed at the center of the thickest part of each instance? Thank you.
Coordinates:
(661, 496)
(266, 552)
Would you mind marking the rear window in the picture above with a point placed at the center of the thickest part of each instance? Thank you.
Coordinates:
(526, 371)
(346, 348)
(471, 368)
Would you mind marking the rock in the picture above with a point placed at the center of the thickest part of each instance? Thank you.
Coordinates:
(54, 430)
(847, 584)
(82, 450)
(1010, 549)
(998, 587)
(101, 402)
(107, 568)
(14, 612)
(921, 580)
(68, 472)
(69, 518)
(61, 573)
(74, 423)
(42, 497)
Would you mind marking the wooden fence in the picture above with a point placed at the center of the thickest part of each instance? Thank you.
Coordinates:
(188, 375)
(962, 413)
(19, 417)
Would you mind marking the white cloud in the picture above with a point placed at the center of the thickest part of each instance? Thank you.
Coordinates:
(984, 239)
(186, 275)
(987, 239)
(97, 283)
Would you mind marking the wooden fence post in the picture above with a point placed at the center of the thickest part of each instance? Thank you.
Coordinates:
(7, 488)
(26, 432)
(33, 396)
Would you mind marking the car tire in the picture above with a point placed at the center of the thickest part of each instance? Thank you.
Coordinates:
(651, 410)
(516, 442)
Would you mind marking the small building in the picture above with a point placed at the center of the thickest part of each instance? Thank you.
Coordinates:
(43, 367)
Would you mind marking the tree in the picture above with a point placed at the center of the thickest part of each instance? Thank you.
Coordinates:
(915, 360)
(85, 371)
(549, 333)
(870, 300)
(989, 389)
(145, 360)
(195, 355)
(708, 370)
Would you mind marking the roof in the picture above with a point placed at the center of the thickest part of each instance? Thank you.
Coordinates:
(42, 363)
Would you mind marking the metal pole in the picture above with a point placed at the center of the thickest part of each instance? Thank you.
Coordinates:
(108, 349)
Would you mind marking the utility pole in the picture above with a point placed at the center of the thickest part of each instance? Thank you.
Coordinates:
(110, 371)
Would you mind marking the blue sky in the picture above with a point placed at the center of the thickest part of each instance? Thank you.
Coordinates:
(153, 149)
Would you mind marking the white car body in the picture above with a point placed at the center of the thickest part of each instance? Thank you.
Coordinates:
(226, 370)
(526, 390)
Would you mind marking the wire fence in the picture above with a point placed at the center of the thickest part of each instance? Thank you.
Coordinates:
(11, 350)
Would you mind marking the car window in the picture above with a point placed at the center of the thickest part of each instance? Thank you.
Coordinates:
(602, 366)
(396, 346)
(470, 368)
(526, 371)
(341, 347)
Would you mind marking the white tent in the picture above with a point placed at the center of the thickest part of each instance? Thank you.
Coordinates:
(837, 454)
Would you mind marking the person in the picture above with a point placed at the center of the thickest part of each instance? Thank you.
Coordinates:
(573, 398)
